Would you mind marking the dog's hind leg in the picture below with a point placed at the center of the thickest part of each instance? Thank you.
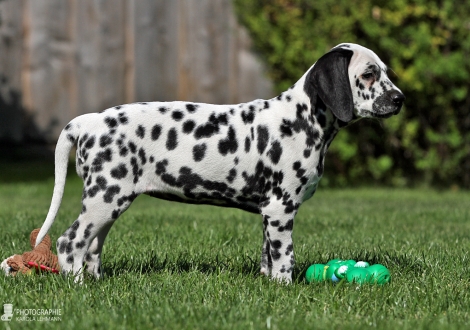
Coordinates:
(93, 255)
(85, 237)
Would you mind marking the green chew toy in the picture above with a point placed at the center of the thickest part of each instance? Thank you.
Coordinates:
(360, 272)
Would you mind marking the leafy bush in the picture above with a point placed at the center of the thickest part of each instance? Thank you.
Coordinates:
(427, 45)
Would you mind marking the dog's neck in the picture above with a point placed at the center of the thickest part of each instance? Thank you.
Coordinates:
(311, 110)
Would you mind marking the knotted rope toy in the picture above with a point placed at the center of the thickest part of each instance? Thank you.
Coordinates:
(40, 258)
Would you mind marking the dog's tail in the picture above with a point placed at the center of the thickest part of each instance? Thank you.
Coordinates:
(67, 139)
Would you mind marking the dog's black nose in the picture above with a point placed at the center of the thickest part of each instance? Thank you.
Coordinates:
(398, 98)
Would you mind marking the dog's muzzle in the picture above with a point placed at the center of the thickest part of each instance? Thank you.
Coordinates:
(388, 104)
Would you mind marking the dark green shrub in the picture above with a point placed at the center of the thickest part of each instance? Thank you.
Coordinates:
(425, 43)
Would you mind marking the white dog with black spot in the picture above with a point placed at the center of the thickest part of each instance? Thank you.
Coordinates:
(264, 156)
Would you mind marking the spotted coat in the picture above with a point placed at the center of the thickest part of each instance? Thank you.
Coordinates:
(265, 156)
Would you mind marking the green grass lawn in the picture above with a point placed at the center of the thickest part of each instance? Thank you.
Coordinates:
(174, 266)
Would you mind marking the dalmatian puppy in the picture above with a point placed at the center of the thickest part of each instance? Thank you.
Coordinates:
(265, 156)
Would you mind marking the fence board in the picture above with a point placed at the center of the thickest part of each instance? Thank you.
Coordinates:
(69, 57)
(11, 53)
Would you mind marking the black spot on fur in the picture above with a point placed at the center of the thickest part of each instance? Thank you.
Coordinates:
(100, 159)
(110, 122)
(275, 254)
(247, 144)
(140, 131)
(221, 119)
(69, 247)
(289, 249)
(93, 191)
(229, 144)
(177, 115)
(135, 169)
(263, 137)
(191, 107)
(188, 126)
(119, 172)
(115, 214)
(123, 151)
(275, 223)
(105, 140)
(123, 118)
(80, 245)
(132, 147)
(275, 152)
(207, 130)
(276, 244)
(90, 143)
(172, 139)
(156, 131)
(199, 151)
(75, 225)
(61, 246)
(300, 125)
(231, 175)
(286, 130)
(189, 181)
(70, 259)
(288, 226)
(248, 116)
(161, 167)
(101, 182)
(142, 156)
(87, 231)
(123, 199)
(212, 126)
(257, 182)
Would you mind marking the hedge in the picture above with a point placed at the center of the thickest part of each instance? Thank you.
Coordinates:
(427, 46)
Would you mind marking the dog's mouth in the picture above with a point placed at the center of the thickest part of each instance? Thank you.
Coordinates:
(381, 115)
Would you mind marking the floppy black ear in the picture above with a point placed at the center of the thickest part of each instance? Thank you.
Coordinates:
(329, 80)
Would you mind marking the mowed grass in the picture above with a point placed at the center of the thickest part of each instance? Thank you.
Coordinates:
(176, 266)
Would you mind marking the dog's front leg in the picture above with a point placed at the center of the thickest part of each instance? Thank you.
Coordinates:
(277, 258)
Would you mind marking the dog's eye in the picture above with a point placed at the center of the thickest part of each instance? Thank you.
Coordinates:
(368, 75)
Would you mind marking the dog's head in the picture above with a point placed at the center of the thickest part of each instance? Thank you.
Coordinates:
(352, 81)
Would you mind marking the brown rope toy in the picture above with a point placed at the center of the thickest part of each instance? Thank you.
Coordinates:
(40, 258)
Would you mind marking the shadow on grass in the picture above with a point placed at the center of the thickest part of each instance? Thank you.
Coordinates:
(151, 263)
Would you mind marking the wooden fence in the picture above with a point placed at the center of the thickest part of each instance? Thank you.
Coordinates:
(63, 58)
